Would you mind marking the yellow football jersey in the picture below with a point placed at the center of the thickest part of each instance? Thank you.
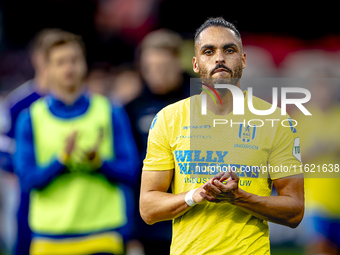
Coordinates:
(197, 148)
(321, 139)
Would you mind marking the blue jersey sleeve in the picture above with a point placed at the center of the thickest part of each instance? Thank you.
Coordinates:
(18, 100)
(30, 175)
(7, 143)
(124, 166)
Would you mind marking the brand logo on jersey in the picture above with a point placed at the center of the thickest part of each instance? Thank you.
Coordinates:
(197, 127)
(193, 137)
(153, 122)
(247, 133)
(292, 126)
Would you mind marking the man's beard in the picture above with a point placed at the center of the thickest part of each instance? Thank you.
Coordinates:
(235, 74)
(233, 80)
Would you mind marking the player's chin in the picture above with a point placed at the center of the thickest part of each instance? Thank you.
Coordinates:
(221, 74)
(70, 82)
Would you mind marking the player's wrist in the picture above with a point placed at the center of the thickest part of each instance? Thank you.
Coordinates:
(240, 197)
(189, 198)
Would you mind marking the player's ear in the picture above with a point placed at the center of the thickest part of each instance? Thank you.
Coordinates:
(244, 60)
(195, 66)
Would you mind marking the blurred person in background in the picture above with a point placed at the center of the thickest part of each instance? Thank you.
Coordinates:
(73, 150)
(165, 83)
(321, 138)
(163, 79)
(99, 78)
(121, 84)
(18, 100)
(127, 84)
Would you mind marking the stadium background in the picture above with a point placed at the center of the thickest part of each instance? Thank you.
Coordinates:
(280, 40)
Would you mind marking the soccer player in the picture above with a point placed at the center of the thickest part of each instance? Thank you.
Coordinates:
(227, 212)
(321, 139)
(165, 83)
(73, 150)
(18, 100)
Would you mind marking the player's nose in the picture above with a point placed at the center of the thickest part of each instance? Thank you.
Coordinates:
(219, 58)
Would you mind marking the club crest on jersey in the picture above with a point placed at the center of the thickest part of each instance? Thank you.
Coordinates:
(247, 133)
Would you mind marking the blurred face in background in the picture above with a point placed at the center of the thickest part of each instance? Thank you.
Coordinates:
(161, 70)
(67, 66)
(127, 86)
(99, 81)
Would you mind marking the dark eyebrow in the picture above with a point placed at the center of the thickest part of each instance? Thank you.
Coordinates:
(208, 46)
(228, 45)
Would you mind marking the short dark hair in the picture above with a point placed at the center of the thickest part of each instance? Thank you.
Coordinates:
(163, 39)
(60, 38)
(217, 22)
(41, 39)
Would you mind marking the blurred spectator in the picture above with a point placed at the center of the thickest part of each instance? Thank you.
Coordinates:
(163, 79)
(260, 63)
(73, 151)
(20, 99)
(321, 145)
(127, 85)
(165, 83)
(23, 96)
(121, 85)
(301, 63)
(99, 79)
(9, 199)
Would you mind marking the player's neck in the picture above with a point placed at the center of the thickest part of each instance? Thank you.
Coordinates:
(227, 102)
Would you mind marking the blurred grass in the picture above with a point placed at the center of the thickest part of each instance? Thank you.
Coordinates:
(286, 249)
